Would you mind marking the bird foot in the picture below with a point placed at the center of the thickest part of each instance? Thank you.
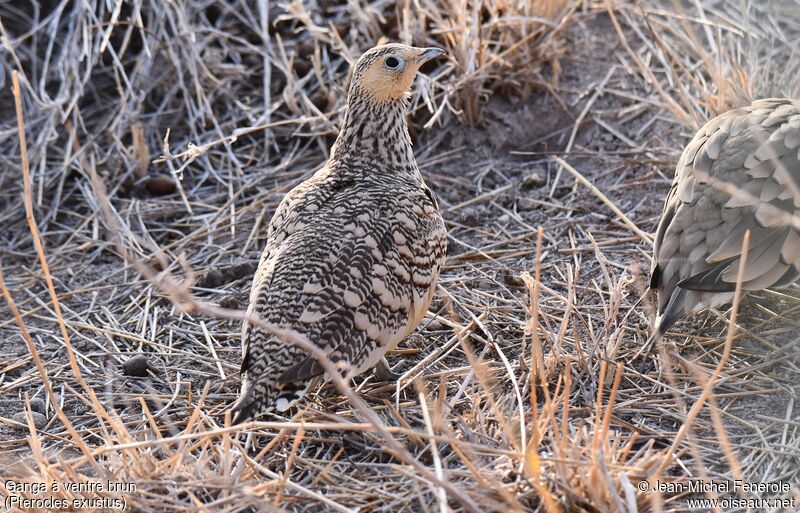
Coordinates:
(384, 373)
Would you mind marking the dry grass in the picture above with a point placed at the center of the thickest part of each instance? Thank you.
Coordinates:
(549, 135)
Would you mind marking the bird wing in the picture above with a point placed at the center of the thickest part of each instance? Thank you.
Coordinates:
(265, 270)
(349, 265)
(741, 172)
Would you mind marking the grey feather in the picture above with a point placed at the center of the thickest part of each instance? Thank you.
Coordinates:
(740, 172)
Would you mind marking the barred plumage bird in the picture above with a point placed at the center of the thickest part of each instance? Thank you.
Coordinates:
(354, 252)
(740, 172)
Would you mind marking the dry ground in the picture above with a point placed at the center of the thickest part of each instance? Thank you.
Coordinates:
(516, 394)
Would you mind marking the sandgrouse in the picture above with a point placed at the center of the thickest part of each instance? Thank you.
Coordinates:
(354, 252)
(740, 172)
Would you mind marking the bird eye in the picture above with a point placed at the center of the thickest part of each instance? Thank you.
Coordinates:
(393, 63)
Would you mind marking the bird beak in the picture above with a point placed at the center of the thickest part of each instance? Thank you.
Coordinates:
(430, 53)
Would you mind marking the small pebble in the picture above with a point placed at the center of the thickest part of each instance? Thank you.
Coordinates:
(305, 49)
(434, 325)
(278, 83)
(469, 217)
(39, 406)
(128, 184)
(513, 279)
(503, 219)
(342, 28)
(136, 366)
(211, 280)
(160, 185)
(532, 180)
(244, 269)
(39, 420)
(320, 100)
(301, 67)
(229, 302)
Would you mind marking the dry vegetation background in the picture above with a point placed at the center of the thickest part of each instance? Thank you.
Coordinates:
(162, 135)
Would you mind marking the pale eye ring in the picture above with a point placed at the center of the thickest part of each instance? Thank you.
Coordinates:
(394, 63)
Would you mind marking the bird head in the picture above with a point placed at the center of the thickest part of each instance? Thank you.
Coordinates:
(385, 73)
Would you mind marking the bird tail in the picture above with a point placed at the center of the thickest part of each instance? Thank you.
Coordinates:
(672, 311)
(664, 321)
(261, 397)
(248, 405)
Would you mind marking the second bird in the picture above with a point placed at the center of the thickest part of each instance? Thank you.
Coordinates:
(354, 252)
(740, 173)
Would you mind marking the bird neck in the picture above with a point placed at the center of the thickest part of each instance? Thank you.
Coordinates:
(375, 131)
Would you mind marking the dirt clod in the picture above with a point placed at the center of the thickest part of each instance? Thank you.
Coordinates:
(229, 302)
(211, 279)
(242, 270)
(38, 405)
(160, 185)
(136, 366)
(39, 420)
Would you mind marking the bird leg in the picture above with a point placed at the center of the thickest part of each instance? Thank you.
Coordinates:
(383, 372)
